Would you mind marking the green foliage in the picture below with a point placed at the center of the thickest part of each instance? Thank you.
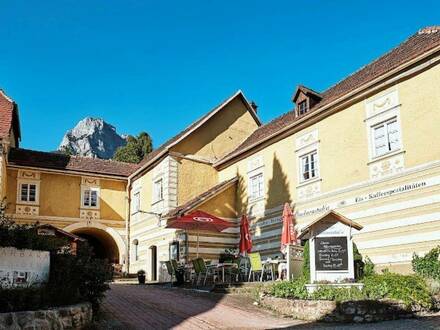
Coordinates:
(81, 277)
(306, 261)
(67, 150)
(72, 278)
(294, 289)
(368, 267)
(135, 149)
(428, 266)
(25, 236)
(410, 289)
(326, 292)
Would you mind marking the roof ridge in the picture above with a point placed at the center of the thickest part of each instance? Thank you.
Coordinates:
(413, 47)
(375, 60)
(75, 156)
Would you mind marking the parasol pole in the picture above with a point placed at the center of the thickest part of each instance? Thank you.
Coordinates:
(197, 242)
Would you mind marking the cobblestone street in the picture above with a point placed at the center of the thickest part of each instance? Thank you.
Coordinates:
(155, 307)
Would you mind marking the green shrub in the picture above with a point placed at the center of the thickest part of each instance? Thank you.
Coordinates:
(294, 289)
(72, 278)
(337, 294)
(306, 261)
(368, 267)
(410, 289)
(427, 266)
(26, 237)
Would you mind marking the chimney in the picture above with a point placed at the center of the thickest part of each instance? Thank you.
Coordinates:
(254, 106)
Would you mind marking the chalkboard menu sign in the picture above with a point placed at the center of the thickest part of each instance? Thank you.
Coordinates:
(331, 253)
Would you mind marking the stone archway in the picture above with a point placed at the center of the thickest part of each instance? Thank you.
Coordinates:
(105, 241)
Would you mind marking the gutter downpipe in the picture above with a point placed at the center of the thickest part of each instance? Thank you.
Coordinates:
(127, 227)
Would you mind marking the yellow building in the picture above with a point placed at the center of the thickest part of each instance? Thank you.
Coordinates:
(366, 147)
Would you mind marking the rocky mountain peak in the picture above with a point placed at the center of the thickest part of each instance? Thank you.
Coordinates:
(92, 137)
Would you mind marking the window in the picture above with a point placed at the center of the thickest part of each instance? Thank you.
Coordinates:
(256, 189)
(302, 107)
(386, 137)
(309, 166)
(90, 197)
(136, 202)
(28, 192)
(158, 190)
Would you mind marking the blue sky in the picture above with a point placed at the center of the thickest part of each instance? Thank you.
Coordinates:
(156, 66)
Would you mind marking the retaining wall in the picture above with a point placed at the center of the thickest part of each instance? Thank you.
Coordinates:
(66, 317)
(331, 311)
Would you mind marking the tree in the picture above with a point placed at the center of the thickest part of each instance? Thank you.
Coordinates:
(135, 149)
(67, 150)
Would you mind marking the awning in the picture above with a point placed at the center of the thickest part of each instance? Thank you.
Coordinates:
(332, 215)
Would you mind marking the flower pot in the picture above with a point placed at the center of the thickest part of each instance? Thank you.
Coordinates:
(141, 279)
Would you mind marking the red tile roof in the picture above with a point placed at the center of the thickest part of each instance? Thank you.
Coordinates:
(8, 116)
(56, 161)
(418, 44)
(202, 198)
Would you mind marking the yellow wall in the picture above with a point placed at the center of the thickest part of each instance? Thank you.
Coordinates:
(194, 178)
(60, 196)
(343, 142)
(218, 136)
(113, 199)
(223, 205)
(221, 133)
(11, 190)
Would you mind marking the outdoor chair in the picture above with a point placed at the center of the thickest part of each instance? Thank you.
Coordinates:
(256, 266)
(202, 269)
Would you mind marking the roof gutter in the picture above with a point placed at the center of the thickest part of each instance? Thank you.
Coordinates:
(347, 97)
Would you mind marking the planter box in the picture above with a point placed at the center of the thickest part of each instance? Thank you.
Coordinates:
(361, 311)
(313, 287)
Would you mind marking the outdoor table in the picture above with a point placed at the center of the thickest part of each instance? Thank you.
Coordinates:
(270, 262)
(223, 266)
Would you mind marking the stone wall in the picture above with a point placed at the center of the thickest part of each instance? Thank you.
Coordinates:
(332, 311)
(67, 317)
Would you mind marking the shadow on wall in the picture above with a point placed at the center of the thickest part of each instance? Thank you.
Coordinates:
(242, 198)
(278, 187)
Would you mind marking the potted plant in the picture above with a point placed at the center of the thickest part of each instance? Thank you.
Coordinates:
(141, 276)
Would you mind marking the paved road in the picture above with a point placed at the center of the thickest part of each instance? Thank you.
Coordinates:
(154, 307)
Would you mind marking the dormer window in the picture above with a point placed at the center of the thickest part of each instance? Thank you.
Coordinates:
(305, 99)
(302, 107)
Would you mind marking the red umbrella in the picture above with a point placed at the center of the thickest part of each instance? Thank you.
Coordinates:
(199, 220)
(288, 234)
(245, 235)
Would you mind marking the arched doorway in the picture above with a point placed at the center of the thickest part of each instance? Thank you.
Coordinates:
(103, 245)
(153, 265)
(106, 237)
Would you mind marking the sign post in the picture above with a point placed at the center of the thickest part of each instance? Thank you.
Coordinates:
(331, 249)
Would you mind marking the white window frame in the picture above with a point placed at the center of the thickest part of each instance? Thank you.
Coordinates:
(303, 110)
(386, 124)
(136, 202)
(158, 194)
(301, 173)
(259, 192)
(98, 197)
(20, 183)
